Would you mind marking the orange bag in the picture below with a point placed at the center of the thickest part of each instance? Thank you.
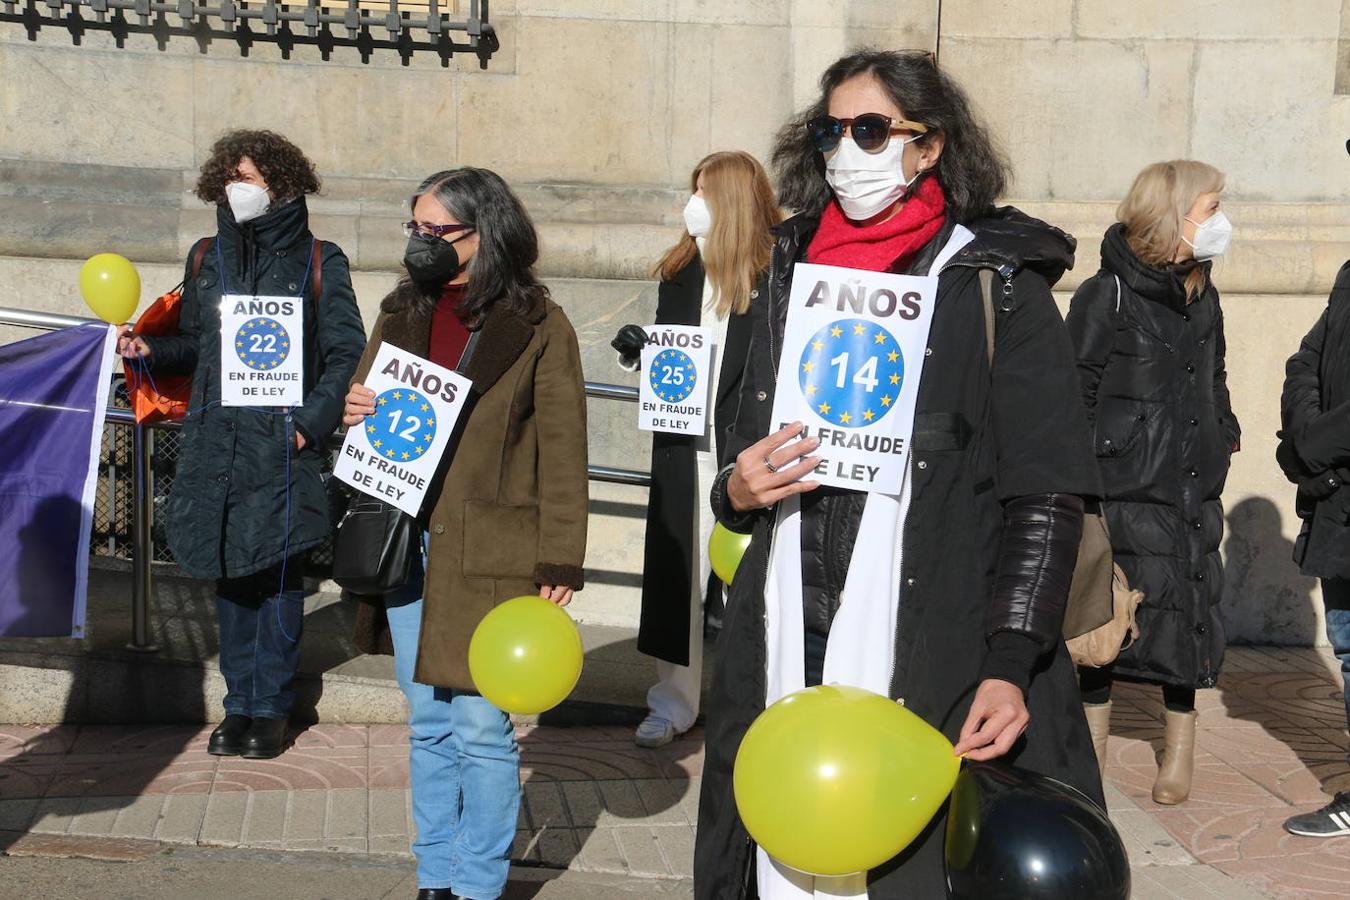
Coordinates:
(167, 397)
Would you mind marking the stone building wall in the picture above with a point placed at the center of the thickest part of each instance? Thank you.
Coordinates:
(597, 109)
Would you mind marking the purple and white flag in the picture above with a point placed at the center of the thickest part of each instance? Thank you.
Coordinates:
(53, 395)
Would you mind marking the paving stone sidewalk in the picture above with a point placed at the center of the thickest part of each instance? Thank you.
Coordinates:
(1272, 742)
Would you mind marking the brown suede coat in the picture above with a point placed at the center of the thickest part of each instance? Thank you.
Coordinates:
(511, 513)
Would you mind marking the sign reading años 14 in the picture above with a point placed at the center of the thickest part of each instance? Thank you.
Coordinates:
(852, 355)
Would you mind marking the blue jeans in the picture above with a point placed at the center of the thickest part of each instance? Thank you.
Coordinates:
(1336, 602)
(260, 624)
(465, 769)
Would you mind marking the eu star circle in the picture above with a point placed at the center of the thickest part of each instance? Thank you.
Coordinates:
(262, 343)
(673, 376)
(403, 427)
(851, 372)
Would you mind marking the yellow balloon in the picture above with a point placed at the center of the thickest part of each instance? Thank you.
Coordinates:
(725, 549)
(833, 780)
(111, 286)
(525, 656)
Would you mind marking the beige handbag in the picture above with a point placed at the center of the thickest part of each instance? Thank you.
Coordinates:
(1100, 646)
(1099, 612)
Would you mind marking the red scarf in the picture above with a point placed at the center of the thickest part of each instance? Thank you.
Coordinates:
(887, 246)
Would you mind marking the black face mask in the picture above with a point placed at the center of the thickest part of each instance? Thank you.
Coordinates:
(431, 261)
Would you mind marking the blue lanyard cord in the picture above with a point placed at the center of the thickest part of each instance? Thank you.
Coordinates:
(304, 282)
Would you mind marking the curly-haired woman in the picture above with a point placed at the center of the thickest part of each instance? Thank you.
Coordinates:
(247, 501)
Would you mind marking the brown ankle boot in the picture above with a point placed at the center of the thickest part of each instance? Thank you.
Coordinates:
(1099, 726)
(1176, 765)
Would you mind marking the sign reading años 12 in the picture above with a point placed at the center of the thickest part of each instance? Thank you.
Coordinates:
(852, 355)
(394, 453)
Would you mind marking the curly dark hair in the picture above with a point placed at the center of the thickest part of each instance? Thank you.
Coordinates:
(972, 170)
(284, 166)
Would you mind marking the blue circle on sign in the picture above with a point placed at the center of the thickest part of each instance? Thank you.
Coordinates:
(262, 343)
(403, 427)
(851, 372)
(673, 376)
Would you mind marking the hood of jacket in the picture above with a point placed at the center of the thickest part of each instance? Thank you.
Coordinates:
(1161, 284)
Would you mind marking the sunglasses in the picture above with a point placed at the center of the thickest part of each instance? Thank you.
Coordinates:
(870, 131)
(416, 227)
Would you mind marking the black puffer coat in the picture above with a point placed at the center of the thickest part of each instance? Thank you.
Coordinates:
(228, 507)
(980, 441)
(1152, 368)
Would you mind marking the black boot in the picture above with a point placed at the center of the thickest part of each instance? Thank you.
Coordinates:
(228, 738)
(265, 739)
(437, 894)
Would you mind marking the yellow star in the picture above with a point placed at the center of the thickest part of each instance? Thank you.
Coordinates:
(808, 366)
(845, 418)
(835, 331)
(880, 337)
(370, 429)
(892, 356)
(431, 423)
(239, 343)
(405, 455)
(397, 395)
(285, 345)
(378, 444)
(859, 328)
(895, 379)
(425, 407)
(869, 416)
(824, 409)
(418, 450)
(427, 438)
(273, 324)
(817, 346)
(886, 400)
(389, 453)
(382, 401)
(810, 390)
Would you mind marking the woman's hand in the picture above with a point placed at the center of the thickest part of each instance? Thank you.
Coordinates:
(129, 345)
(559, 594)
(360, 403)
(998, 716)
(768, 471)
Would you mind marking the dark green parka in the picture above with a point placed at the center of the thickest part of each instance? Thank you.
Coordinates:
(230, 513)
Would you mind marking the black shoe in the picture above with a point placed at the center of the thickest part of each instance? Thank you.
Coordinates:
(228, 738)
(437, 894)
(1331, 820)
(265, 739)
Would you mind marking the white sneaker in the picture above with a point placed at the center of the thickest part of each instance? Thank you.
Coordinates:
(654, 732)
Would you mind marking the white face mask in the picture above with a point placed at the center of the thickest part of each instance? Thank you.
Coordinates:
(697, 217)
(247, 201)
(867, 183)
(1211, 236)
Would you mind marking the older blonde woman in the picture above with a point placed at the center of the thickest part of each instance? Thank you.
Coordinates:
(1148, 332)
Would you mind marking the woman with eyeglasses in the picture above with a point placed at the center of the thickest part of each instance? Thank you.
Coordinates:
(506, 515)
(971, 563)
(1149, 335)
(711, 277)
(247, 502)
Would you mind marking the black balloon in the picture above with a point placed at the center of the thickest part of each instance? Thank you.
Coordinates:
(1015, 835)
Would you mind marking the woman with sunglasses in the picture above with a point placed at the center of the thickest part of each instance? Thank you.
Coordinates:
(891, 172)
(506, 517)
(710, 277)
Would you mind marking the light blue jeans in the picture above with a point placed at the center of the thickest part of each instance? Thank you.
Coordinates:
(465, 770)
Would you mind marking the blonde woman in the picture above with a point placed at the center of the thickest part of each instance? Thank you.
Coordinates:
(711, 277)
(1148, 332)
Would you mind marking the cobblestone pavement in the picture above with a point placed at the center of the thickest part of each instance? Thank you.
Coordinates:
(1272, 741)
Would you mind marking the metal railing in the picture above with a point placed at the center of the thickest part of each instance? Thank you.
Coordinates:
(142, 550)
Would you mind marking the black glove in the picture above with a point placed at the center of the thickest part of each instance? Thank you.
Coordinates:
(629, 342)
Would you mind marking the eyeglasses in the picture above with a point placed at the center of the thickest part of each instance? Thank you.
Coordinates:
(870, 131)
(416, 227)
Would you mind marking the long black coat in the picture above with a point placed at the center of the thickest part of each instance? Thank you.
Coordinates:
(1163, 429)
(667, 560)
(1315, 413)
(228, 507)
(979, 440)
